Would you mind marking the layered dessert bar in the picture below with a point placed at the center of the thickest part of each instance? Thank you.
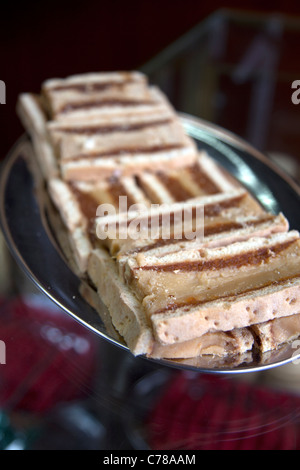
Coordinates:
(218, 277)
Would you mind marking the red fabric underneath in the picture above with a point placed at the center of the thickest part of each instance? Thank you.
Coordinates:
(207, 412)
(50, 358)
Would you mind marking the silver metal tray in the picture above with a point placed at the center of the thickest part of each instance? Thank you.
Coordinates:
(25, 225)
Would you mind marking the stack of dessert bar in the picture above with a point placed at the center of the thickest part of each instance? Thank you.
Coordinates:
(103, 138)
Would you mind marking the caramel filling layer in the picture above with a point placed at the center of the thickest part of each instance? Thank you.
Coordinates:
(250, 258)
(103, 104)
(117, 189)
(210, 210)
(203, 180)
(125, 151)
(89, 202)
(213, 229)
(174, 187)
(92, 86)
(165, 290)
(195, 302)
(107, 129)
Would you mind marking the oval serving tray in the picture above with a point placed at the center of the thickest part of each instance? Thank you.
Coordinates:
(25, 225)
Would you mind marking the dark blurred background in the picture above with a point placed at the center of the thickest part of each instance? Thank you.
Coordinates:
(232, 64)
(39, 40)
